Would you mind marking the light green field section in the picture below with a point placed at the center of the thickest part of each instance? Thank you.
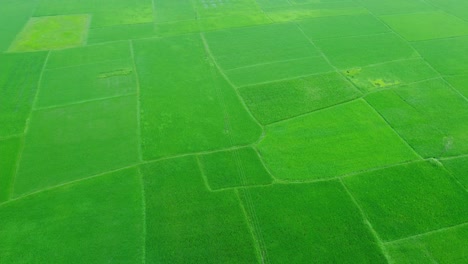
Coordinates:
(456, 7)
(459, 169)
(342, 26)
(241, 47)
(424, 26)
(100, 71)
(344, 139)
(273, 3)
(234, 168)
(318, 220)
(13, 16)
(385, 75)
(448, 56)
(430, 116)
(92, 221)
(19, 77)
(350, 52)
(460, 83)
(447, 246)
(187, 222)
(409, 199)
(121, 32)
(384, 7)
(69, 143)
(9, 149)
(313, 9)
(277, 101)
(52, 32)
(186, 105)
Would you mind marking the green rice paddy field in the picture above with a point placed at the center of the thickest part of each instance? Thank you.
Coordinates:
(234, 131)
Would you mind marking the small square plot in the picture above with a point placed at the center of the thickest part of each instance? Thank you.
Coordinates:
(235, 168)
(410, 199)
(52, 32)
(423, 26)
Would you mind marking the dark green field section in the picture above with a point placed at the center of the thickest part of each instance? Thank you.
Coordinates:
(234, 131)
(102, 217)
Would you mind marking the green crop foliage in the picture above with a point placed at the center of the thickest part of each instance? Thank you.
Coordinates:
(342, 26)
(385, 7)
(19, 76)
(9, 149)
(121, 32)
(185, 221)
(52, 32)
(447, 246)
(420, 114)
(343, 139)
(277, 101)
(234, 168)
(69, 143)
(186, 105)
(385, 75)
(359, 51)
(459, 168)
(448, 56)
(13, 16)
(409, 199)
(460, 83)
(91, 221)
(318, 220)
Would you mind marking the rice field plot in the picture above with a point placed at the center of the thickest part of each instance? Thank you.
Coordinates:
(460, 83)
(390, 74)
(447, 56)
(458, 167)
(98, 72)
(410, 199)
(19, 76)
(13, 16)
(386, 7)
(318, 220)
(272, 102)
(233, 168)
(430, 116)
(68, 143)
(92, 221)
(186, 104)
(9, 151)
(332, 142)
(359, 51)
(455, 7)
(424, 26)
(445, 246)
(185, 221)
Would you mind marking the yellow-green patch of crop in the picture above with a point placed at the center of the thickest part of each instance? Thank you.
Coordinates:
(384, 75)
(359, 51)
(430, 25)
(444, 246)
(91, 221)
(73, 142)
(448, 56)
(409, 199)
(430, 116)
(19, 77)
(336, 141)
(281, 100)
(186, 104)
(459, 168)
(9, 150)
(300, 223)
(52, 32)
(234, 168)
(185, 221)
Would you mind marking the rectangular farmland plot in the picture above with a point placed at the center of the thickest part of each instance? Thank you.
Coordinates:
(19, 77)
(9, 150)
(383, 7)
(13, 16)
(409, 199)
(346, 138)
(300, 223)
(430, 116)
(185, 221)
(458, 167)
(234, 168)
(187, 106)
(281, 100)
(460, 83)
(350, 52)
(73, 142)
(91, 221)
